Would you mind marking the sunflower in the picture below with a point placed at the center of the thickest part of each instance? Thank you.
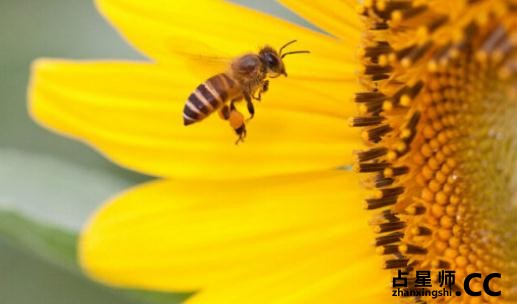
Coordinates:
(279, 219)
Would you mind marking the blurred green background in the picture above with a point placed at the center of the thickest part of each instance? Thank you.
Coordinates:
(49, 184)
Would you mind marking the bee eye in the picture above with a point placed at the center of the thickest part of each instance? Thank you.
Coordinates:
(271, 60)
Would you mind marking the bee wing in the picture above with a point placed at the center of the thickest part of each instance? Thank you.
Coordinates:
(204, 63)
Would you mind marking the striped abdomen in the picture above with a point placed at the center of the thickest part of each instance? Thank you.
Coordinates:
(208, 97)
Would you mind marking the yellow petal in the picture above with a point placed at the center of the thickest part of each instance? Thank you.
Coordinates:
(337, 17)
(357, 283)
(292, 237)
(162, 29)
(133, 114)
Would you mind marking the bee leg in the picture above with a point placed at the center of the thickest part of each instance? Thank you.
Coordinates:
(263, 89)
(242, 134)
(251, 110)
(232, 104)
(237, 123)
(259, 96)
(249, 104)
(224, 112)
(265, 86)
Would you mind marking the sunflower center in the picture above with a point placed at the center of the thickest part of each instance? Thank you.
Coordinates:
(438, 110)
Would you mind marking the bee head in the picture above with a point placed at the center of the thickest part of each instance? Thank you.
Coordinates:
(274, 60)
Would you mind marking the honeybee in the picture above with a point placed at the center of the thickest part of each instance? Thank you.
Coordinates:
(246, 78)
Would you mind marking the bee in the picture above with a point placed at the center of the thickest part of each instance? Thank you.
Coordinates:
(246, 78)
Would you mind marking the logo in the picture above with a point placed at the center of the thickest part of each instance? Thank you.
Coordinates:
(486, 285)
(421, 284)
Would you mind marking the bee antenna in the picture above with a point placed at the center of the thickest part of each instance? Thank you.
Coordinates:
(295, 52)
(285, 45)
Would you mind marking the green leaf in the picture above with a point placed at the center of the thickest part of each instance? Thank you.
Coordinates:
(42, 258)
(27, 279)
(55, 245)
(56, 191)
